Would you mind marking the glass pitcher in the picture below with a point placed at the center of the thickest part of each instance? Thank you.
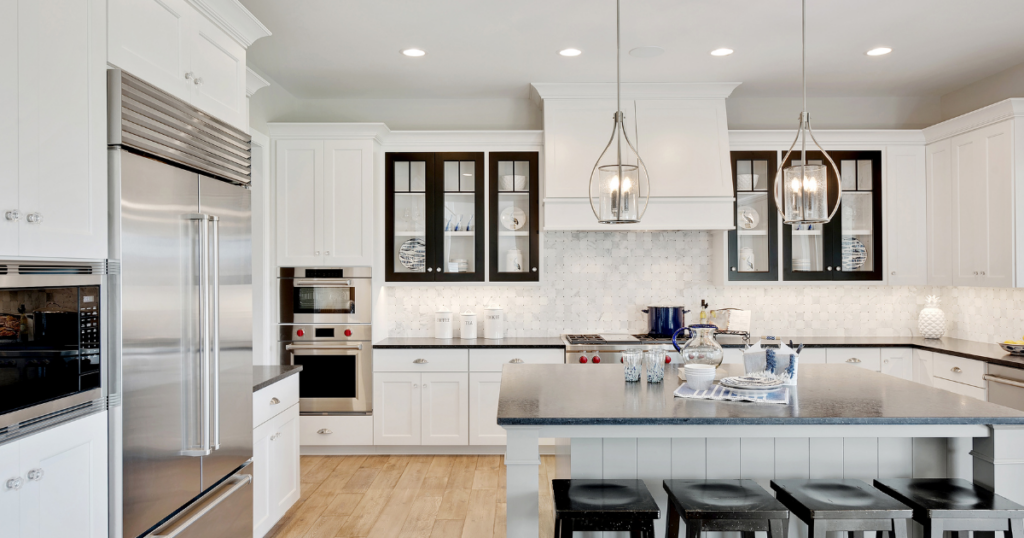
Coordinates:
(701, 348)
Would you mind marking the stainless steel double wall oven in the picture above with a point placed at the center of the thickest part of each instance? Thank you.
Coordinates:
(325, 327)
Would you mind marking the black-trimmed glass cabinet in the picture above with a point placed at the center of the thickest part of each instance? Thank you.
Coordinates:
(849, 247)
(514, 228)
(434, 205)
(754, 244)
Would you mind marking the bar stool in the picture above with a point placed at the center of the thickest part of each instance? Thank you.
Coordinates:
(842, 505)
(604, 505)
(954, 504)
(723, 505)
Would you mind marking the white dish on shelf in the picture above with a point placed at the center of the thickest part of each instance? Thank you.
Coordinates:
(413, 254)
(748, 217)
(513, 218)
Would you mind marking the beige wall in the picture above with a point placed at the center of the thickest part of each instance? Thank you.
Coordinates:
(1002, 85)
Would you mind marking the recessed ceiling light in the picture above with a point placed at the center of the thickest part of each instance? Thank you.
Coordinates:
(880, 51)
(570, 52)
(647, 52)
(721, 52)
(413, 52)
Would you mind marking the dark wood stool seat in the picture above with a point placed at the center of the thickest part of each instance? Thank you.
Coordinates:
(842, 505)
(954, 504)
(723, 505)
(604, 505)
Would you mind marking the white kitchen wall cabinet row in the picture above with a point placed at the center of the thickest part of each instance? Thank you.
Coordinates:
(276, 477)
(54, 483)
(194, 50)
(53, 161)
(975, 204)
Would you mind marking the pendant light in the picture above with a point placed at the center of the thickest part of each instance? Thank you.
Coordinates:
(801, 191)
(615, 188)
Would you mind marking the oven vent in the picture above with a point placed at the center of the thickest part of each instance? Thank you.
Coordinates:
(58, 268)
(28, 427)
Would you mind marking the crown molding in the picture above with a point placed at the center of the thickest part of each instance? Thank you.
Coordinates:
(337, 131)
(469, 140)
(782, 139)
(232, 17)
(540, 91)
(994, 113)
(254, 82)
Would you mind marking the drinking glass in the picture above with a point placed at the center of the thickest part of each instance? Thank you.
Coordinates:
(631, 359)
(655, 365)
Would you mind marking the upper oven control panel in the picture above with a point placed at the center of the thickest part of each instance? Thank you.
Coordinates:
(320, 333)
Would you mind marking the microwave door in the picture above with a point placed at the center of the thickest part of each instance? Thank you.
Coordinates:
(330, 301)
(337, 377)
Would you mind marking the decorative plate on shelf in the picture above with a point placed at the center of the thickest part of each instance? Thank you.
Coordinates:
(854, 253)
(513, 218)
(413, 254)
(750, 382)
(748, 218)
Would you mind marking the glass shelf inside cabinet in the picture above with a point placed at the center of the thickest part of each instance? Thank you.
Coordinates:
(410, 216)
(513, 252)
(460, 219)
(753, 214)
(857, 215)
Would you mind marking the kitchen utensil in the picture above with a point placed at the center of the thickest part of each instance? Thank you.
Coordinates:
(494, 323)
(747, 218)
(854, 253)
(701, 348)
(631, 359)
(699, 376)
(413, 254)
(654, 363)
(514, 261)
(468, 327)
(746, 259)
(513, 218)
(443, 324)
(664, 320)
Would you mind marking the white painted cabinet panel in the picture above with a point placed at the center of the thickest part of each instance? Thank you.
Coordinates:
(813, 355)
(299, 204)
(923, 366)
(862, 357)
(150, 39)
(8, 117)
(217, 64)
(938, 162)
(898, 362)
(575, 132)
(348, 207)
(906, 216)
(11, 482)
(262, 517)
(284, 470)
(960, 388)
(445, 407)
(396, 408)
(483, 409)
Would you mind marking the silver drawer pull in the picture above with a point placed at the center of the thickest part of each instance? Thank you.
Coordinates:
(516, 361)
(275, 436)
(955, 370)
(853, 360)
(274, 401)
(324, 431)
(35, 475)
(420, 361)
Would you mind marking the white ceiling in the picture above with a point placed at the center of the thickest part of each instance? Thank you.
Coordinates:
(496, 48)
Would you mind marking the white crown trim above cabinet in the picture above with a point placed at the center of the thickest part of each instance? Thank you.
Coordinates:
(53, 159)
(254, 82)
(233, 18)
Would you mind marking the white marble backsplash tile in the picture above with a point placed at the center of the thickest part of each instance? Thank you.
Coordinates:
(600, 281)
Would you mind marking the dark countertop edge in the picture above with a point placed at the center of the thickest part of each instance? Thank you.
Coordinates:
(261, 380)
(781, 421)
(531, 342)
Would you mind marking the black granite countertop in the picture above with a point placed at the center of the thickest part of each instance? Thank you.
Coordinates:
(483, 343)
(264, 376)
(569, 394)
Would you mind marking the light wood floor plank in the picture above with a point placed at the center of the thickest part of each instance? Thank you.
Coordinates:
(499, 520)
(447, 528)
(422, 515)
(462, 473)
(480, 518)
(485, 478)
(326, 527)
(360, 481)
(342, 505)
(455, 504)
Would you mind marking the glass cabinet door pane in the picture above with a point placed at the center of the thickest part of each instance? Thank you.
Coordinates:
(761, 178)
(410, 217)
(857, 217)
(460, 218)
(514, 217)
(752, 218)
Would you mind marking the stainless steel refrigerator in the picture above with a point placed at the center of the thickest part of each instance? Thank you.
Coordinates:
(181, 418)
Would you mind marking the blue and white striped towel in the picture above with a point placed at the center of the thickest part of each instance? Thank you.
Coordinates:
(718, 392)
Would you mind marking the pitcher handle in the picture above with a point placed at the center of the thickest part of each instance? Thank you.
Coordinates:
(688, 341)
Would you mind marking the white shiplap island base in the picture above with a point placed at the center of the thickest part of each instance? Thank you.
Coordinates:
(841, 422)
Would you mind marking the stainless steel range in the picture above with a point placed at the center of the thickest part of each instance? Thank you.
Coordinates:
(607, 348)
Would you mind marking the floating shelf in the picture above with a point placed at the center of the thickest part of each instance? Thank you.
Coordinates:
(514, 234)
(753, 232)
(460, 234)
(513, 193)
(458, 193)
(416, 193)
(411, 234)
(806, 232)
(856, 232)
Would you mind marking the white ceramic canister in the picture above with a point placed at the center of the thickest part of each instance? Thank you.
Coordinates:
(443, 324)
(468, 328)
(494, 323)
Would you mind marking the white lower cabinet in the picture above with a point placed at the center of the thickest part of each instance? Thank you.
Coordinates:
(430, 408)
(922, 368)
(960, 388)
(862, 357)
(483, 409)
(54, 483)
(898, 362)
(276, 477)
(445, 409)
(341, 430)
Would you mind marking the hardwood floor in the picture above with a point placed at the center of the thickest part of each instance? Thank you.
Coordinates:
(406, 496)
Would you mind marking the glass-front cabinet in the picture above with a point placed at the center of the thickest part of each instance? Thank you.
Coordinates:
(434, 207)
(754, 245)
(514, 229)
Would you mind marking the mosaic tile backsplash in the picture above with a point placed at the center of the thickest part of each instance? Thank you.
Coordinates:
(600, 281)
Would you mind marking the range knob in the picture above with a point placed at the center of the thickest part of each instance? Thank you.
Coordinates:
(583, 360)
(597, 360)
(348, 332)
(300, 332)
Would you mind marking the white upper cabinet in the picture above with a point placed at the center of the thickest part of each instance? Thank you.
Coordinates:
(348, 202)
(8, 137)
(905, 216)
(176, 46)
(939, 189)
(300, 178)
(679, 130)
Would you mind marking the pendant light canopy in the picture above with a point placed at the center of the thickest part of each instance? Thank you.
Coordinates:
(615, 188)
(801, 191)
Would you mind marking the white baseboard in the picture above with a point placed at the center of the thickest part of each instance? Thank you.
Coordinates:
(460, 450)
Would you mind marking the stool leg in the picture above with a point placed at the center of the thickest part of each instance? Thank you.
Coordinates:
(694, 527)
(566, 529)
(775, 528)
(1016, 529)
(899, 528)
(649, 529)
(746, 534)
(933, 528)
(672, 525)
(816, 530)
(855, 534)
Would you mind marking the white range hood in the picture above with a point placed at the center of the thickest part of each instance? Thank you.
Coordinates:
(681, 133)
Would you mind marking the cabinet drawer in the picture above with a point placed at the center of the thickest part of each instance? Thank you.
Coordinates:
(960, 388)
(491, 360)
(268, 402)
(869, 358)
(432, 360)
(959, 369)
(337, 431)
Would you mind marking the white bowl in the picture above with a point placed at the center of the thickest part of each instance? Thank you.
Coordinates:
(699, 376)
(699, 382)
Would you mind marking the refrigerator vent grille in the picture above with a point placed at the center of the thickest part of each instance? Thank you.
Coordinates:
(149, 120)
(29, 427)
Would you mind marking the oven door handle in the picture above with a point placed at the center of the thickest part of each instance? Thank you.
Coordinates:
(295, 347)
(321, 283)
(1004, 381)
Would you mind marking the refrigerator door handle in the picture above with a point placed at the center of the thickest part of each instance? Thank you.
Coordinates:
(214, 324)
(197, 439)
(236, 482)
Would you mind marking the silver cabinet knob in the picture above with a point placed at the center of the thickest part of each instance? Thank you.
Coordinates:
(830, 268)
(275, 436)
(516, 361)
(316, 253)
(420, 361)
(12, 215)
(534, 269)
(274, 401)
(732, 269)
(955, 370)
(14, 483)
(975, 273)
(197, 81)
(853, 360)
(886, 361)
(327, 253)
(438, 269)
(324, 431)
(415, 385)
(35, 475)
(430, 269)
(34, 217)
(188, 76)
(894, 273)
(983, 273)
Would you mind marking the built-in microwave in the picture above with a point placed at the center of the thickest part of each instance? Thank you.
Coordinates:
(325, 295)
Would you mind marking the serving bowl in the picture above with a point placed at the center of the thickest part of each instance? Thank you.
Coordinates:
(1013, 349)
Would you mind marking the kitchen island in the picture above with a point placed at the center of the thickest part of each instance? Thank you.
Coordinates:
(841, 421)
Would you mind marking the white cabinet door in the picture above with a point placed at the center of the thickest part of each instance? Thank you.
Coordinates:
(898, 362)
(8, 118)
(862, 357)
(62, 127)
(262, 518)
(575, 132)
(483, 409)
(445, 408)
(218, 73)
(149, 39)
(923, 367)
(65, 493)
(396, 408)
(906, 216)
(348, 202)
(961, 389)
(11, 482)
(284, 462)
(300, 204)
(938, 162)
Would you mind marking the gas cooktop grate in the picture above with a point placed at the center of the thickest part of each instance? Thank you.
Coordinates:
(583, 339)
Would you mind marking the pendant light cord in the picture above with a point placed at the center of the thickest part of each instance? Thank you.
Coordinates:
(618, 104)
(804, 120)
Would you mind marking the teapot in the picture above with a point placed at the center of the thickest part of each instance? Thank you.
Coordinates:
(701, 348)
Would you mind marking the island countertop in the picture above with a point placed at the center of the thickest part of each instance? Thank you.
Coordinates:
(834, 394)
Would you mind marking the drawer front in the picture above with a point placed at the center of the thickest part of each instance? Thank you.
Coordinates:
(336, 431)
(270, 401)
(960, 388)
(420, 360)
(959, 369)
(491, 360)
(869, 358)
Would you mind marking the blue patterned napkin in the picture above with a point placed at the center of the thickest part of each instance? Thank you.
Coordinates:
(718, 392)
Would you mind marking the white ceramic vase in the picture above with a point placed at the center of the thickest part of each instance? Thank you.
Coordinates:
(931, 322)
